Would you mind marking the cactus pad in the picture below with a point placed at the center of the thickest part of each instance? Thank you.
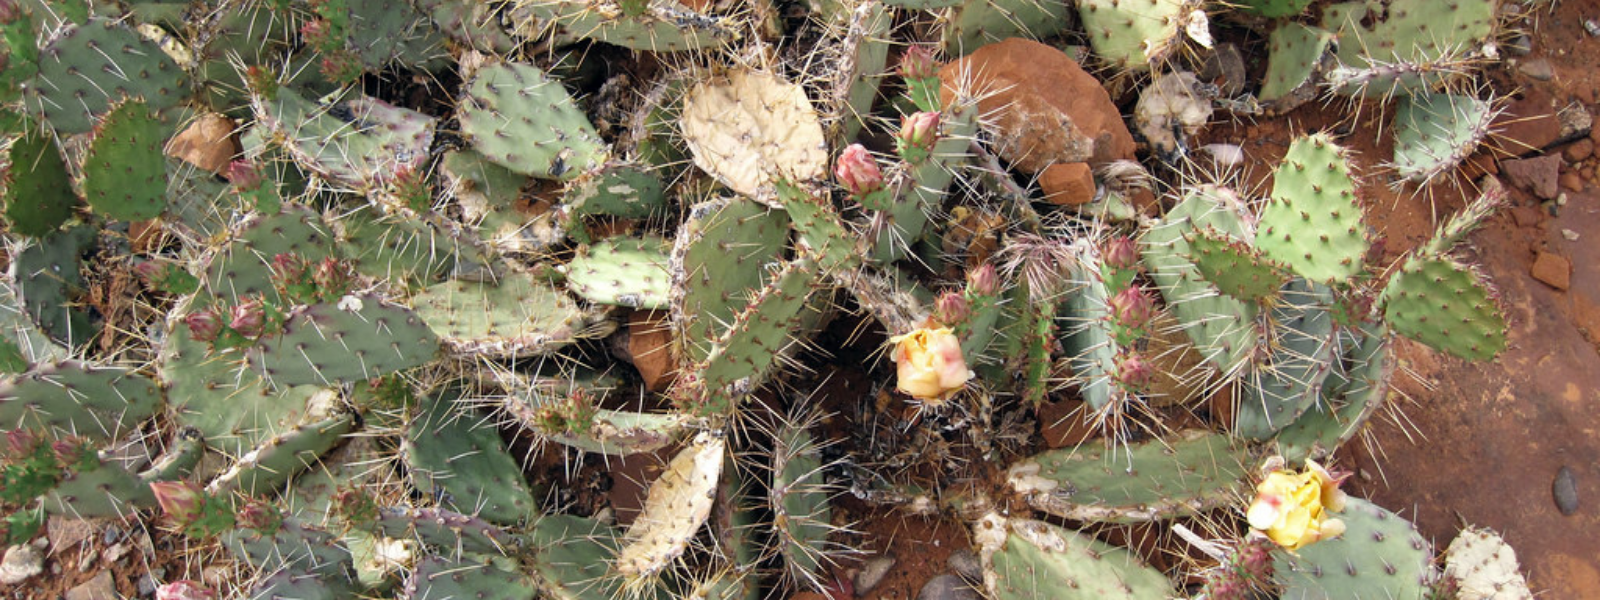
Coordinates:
(1447, 306)
(124, 174)
(980, 22)
(1222, 328)
(108, 490)
(1434, 133)
(86, 68)
(719, 260)
(52, 287)
(1134, 34)
(678, 504)
(573, 557)
(1028, 560)
(243, 267)
(1380, 555)
(1295, 54)
(1351, 394)
(358, 337)
(1290, 380)
(1236, 268)
(743, 357)
(513, 317)
(362, 143)
(750, 129)
(464, 463)
(438, 578)
(662, 27)
(38, 192)
(75, 399)
(1484, 566)
(1414, 32)
(524, 121)
(631, 272)
(1153, 480)
(1313, 222)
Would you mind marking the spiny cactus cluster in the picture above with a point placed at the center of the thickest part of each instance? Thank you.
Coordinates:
(350, 339)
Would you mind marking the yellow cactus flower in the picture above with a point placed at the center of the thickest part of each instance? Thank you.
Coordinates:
(930, 364)
(1293, 508)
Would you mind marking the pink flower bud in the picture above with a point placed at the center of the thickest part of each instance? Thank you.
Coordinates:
(1121, 252)
(180, 500)
(1134, 372)
(919, 131)
(983, 281)
(9, 11)
(248, 319)
(857, 171)
(951, 308)
(71, 451)
(1132, 307)
(287, 266)
(204, 325)
(243, 175)
(184, 589)
(20, 443)
(330, 276)
(150, 271)
(259, 516)
(918, 62)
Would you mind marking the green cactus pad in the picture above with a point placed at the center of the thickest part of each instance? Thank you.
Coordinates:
(86, 68)
(664, 27)
(1313, 222)
(1154, 480)
(980, 22)
(1135, 34)
(281, 457)
(231, 407)
(1236, 268)
(1350, 396)
(1222, 328)
(356, 338)
(745, 355)
(124, 173)
(677, 505)
(449, 531)
(799, 498)
(926, 185)
(1446, 305)
(52, 287)
(75, 399)
(822, 232)
(479, 185)
(621, 191)
(473, 23)
(1273, 9)
(612, 432)
(524, 121)
(400, 250)
(631, 272)
(301, 586)
(1434, 133)
(440, 578)
(1086, 337)
(1295, 53)
(455, 457)
(573, 558)
(38, 192)
(108, 490)
(513, 317)
(719, 260)
(1034, 560)
(856, 88)
(1290, 381)
(1380, 555)
(382, 32)
(362, 143)
(1413, 32)
(182, 456)
(243, 268)
(295, 547)
(18, 330)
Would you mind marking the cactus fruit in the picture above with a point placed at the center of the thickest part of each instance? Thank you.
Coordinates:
(1313, 222)
(623, 272)
(1434, 133)
(86, 68)
(750, 128)
(1446, 305)
(1380, 555)
(1153, 480)
(38, 193)
(1026, 559)
(678, 504)
(522, 120)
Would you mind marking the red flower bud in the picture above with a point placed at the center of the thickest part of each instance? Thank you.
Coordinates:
(330, 276)
(919, 131)
(248, 319)
(71, 451)
(1134, 372)
(918, 62)
(1132, 307)
(1121, 252)
(150, 271)
(20, 443)
(204, 325)
(184, 589)
(951, 308)
(181, 500)
(983, 281)
(857, 171)
(259, 516)
(243, 175)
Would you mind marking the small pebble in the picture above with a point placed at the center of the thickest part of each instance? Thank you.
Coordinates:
(1538, 69)
(1592, 26)
(1565, 490)
(947, 587)
(21, 562)
(1521, 45)
(1572, 236)
(965, 563)
(872, 573)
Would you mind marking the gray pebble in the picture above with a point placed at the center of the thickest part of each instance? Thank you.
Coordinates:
(872, 573)
(1565, 489)
(947, 587)
(965, 563)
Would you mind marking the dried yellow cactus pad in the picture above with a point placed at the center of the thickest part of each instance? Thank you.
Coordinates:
(677, 505)
(752, 127)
